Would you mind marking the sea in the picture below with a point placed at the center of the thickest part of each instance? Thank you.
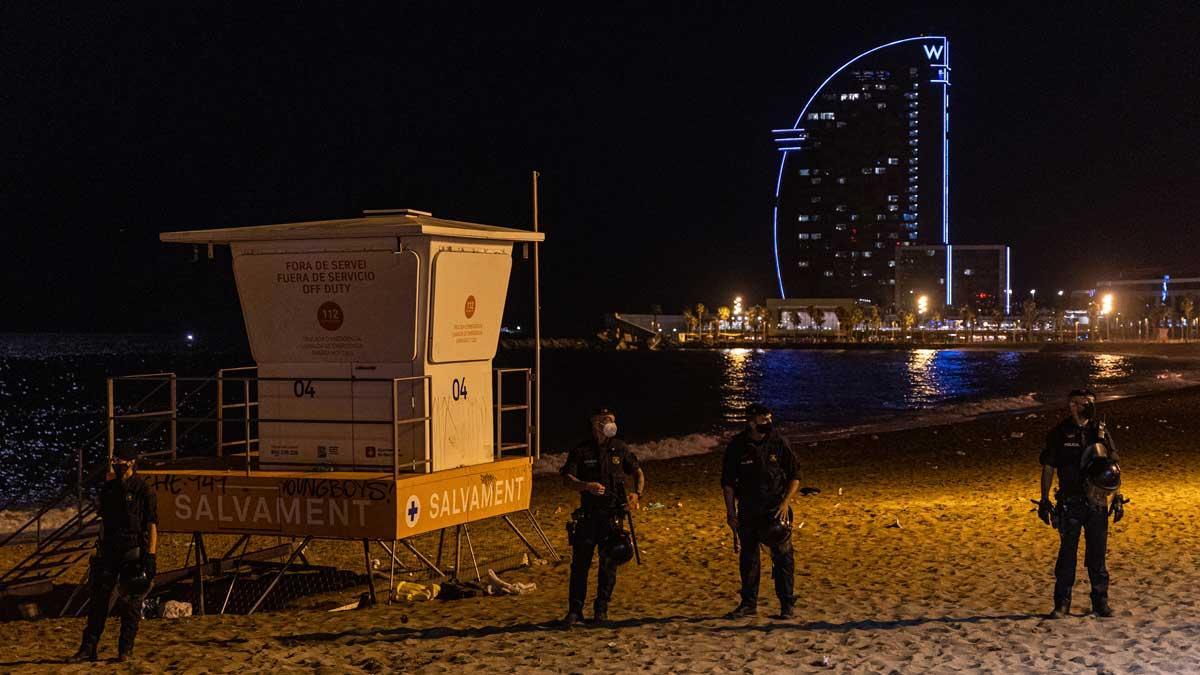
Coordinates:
(668, 403)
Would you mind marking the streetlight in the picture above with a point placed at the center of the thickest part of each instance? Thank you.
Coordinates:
(922, 304)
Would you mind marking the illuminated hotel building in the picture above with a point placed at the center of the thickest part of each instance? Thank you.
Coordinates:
(864, 170)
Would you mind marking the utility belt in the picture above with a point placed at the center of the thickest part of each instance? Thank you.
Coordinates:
(588, 526)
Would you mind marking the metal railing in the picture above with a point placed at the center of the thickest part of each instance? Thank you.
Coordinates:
(250, 417)
(503, 448)
(245, 406)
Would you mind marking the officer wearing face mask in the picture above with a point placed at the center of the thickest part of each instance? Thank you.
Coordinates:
(759, 478)
(125, 557)
(597, 469)
(1081, 451)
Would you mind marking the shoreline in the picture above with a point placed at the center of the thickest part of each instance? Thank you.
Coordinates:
(920, 553)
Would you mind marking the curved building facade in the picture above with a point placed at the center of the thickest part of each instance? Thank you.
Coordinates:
(864, 170)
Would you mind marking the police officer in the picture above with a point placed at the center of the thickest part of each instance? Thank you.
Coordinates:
(125, 555)
(597, 469)
(759, 479)
(1070, 447)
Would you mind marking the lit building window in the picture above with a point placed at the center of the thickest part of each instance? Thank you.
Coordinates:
(803, 263)
(816, 199)
(816, 181)
(968, 272)
(804, 172)
(893, 160)
(841, 180)
(828, 116)
(931, 253)
(804, 218)
(866, 254)
(893, 198)
(891, 263)
(880, 169)
(828, 273)
(804, 235)
(881, 106)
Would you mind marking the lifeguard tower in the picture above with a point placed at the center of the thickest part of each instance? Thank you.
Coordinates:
(373, 412)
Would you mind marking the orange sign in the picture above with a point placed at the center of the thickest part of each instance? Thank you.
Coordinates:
(469, 310)
(338, 505)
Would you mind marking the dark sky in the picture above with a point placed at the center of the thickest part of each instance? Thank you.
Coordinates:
(1074, 137)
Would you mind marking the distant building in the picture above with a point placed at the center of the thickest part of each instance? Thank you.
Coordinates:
(639, 327)
(865, 171)
(796, 315)
(980, 277)
(1134, 290)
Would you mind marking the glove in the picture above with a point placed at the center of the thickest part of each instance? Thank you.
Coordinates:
(1117, 510)
(150, 564)
(1045, 510)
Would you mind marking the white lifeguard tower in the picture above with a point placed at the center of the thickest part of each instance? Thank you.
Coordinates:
(373, 412)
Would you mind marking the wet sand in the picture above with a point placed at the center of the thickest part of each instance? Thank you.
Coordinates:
(961, 584)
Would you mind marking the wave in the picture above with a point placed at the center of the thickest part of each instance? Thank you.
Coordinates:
(667, 448)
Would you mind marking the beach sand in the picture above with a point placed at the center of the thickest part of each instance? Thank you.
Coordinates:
(961, 585)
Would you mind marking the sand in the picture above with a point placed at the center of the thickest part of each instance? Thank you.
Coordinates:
(961, 585)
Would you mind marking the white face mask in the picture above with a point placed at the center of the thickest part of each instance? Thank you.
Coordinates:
(609, 430)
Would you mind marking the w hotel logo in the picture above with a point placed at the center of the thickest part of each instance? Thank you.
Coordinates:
(933, 51)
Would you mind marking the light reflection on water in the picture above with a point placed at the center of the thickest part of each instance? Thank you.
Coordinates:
(52, 389)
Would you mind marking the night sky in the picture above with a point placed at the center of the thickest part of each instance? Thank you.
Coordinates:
(1074, 137)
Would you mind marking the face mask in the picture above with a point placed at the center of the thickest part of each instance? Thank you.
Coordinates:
(764, 429)
(1088, 411)
(609, 430)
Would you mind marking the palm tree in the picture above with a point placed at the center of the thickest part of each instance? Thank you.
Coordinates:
(1187, 307)
(756, 316)
(874, 320)
(908, 320)
(1093, 312)
(655, 310)
(689, 319)
(700, 310)
(843, 318)
(817, 318)
(723, 315)
(856, 316)
(1029, 312)
(969, 315)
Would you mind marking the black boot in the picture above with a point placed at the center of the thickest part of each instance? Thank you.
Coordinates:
(1101, 609)
(599, 615)
(787, 610)
(124, 652)
(742, 611)
(1062, 609)
(571, 619)
(86, 653)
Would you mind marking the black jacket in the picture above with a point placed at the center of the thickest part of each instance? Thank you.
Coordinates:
(607, 464)
(758, 471)
(127, 507)
(1064, 451)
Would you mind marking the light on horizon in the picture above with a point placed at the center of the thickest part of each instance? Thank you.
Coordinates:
(1106, 304)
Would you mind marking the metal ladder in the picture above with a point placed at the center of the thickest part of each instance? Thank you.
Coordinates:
(54, 555)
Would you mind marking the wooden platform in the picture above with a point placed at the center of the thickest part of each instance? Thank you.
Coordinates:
(336, 505)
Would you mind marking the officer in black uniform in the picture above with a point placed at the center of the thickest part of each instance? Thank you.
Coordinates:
(125, 555)
(597, 469)
(759, 478)
(1068, 449)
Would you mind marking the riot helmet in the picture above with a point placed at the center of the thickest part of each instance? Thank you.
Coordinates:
(1103, 474)
(774, 531)
(618, 549)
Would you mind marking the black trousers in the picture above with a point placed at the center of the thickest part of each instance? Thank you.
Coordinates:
(591, 531)
(109, 571)
(1075, 516)
(783, 563)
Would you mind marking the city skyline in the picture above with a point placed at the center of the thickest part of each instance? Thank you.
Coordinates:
(650, 127)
